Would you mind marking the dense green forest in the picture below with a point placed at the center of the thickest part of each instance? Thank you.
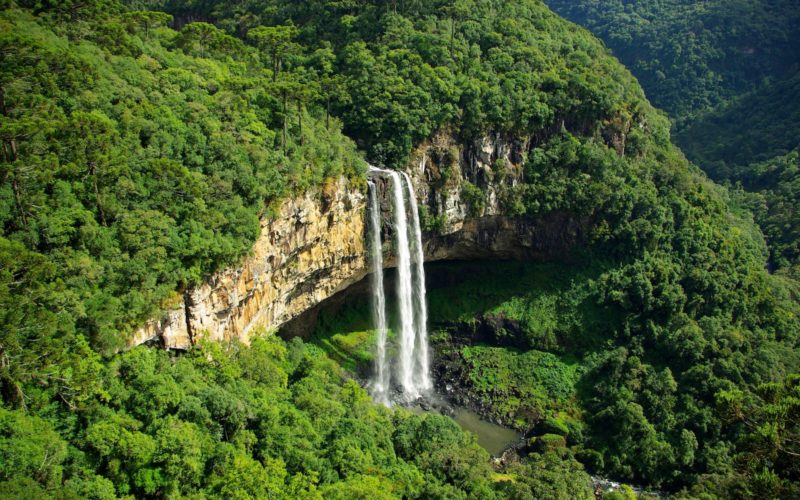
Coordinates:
(140, 149)
(139, 159)
(728, 73)
(691, 55)
(545, 354)
(752, 143)
(770, 190)
(755, 127)
(269, 420)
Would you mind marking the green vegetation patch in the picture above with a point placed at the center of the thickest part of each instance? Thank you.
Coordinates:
(272, 419)
(691, 55)
(353, 350)
(139, 159)
(520, 388)
(547, 306)
(735, 103)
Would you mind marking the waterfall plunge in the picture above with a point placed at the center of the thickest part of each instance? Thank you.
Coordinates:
(381, 382)
(404, 299)
(423, 376)
(413, 363)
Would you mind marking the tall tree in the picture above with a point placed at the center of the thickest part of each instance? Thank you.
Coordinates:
(277, 42)
(207, 39)
(146, 20)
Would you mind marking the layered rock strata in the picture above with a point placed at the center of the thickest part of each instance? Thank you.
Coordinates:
(313, 248)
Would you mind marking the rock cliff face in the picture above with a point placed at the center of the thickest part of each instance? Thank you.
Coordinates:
(316, 244)
(313, 248)
(468, 194)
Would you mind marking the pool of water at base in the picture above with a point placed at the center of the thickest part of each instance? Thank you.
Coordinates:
(491, 437)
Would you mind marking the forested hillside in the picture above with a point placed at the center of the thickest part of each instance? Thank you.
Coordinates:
(752, 128)
(691, 55)
(726, 71)
(139, 159)
(771, 190)
(140, 149)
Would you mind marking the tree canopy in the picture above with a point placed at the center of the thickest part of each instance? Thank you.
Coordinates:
(139, 152)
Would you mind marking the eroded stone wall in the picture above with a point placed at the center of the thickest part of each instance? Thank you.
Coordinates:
(312, 248)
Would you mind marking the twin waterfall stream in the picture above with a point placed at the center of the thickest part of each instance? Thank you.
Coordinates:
(412, 368)
(407, 377)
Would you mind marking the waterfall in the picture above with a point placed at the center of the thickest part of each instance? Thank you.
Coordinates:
(404, 294)
(381, 382)
(413, 372)
(422, 371)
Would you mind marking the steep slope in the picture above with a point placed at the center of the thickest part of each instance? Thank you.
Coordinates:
(139, 167)
(753, 128)
(772, 190)
(757, 156)
(689, 55)
(727, 72)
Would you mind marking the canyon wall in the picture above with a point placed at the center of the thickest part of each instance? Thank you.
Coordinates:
(469, 194)
(315, 246)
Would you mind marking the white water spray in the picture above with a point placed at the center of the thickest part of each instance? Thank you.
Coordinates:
(422, 371)
(380, 386)
(405, 303)
(413, 373)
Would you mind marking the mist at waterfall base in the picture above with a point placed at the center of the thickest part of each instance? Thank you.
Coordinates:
(412, 373)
